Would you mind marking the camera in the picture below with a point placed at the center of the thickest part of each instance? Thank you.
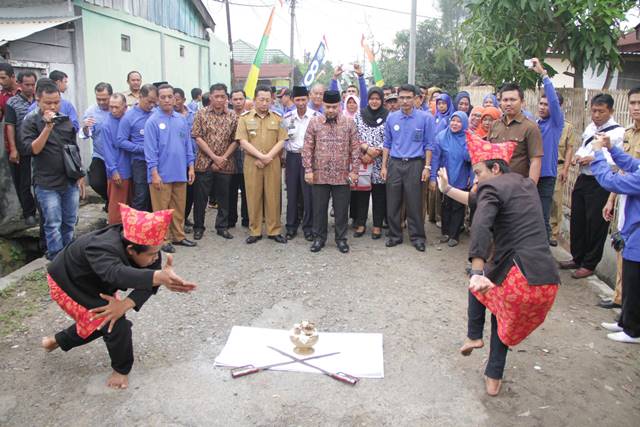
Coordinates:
(528, 63)
(59, 118)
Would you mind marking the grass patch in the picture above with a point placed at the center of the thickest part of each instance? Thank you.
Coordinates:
(22, 300)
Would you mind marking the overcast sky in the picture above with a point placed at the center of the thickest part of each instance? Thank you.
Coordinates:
(342, 21)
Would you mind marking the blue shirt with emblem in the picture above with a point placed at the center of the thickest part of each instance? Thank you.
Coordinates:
(409, 135)
(167, 146)
(131, 132)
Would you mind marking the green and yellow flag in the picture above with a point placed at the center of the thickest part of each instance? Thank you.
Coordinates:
(375, 70)
(254, 72)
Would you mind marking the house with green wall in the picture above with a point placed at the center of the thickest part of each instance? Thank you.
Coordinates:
(102, 40)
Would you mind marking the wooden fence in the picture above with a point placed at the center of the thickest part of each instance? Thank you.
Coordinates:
(576, 110)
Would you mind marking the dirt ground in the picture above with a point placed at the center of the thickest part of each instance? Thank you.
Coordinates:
(565, 374)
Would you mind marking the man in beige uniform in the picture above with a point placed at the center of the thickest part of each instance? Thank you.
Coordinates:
(262, 136)
(631, 145)
(565, 153)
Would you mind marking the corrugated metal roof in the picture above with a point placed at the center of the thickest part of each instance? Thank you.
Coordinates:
(15, 29)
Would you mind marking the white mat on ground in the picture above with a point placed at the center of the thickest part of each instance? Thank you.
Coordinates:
(360, 353)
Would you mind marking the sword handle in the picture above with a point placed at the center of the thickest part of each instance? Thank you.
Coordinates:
(243, 370)
(345, 378)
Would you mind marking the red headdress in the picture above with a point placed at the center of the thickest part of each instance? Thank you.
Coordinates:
(145, 228)
(481, 150)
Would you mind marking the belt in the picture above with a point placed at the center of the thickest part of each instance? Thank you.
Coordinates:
(294, 152)
(407, 159)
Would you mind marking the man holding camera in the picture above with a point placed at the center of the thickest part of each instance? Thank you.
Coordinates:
(45, 133)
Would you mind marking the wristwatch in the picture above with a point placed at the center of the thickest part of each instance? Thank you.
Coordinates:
(476, 273)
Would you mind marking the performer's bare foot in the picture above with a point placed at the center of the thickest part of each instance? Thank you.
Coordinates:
(118, 381)
(49, 344)
(492, 385)
(469, 345)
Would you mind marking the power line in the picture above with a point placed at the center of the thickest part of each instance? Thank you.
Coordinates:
(380, 8)
(243, 4)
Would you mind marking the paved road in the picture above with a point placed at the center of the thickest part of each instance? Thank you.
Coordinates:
(566, 373)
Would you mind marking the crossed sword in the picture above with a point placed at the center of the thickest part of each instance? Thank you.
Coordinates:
(339, 376)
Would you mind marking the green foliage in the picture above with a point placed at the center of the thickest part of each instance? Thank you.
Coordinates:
(501, 34)
(434, 58)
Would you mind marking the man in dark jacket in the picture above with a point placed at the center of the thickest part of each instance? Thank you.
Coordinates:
(85, 277)
(507, 249)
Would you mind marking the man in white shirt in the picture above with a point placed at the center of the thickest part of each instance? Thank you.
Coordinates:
(588, 231)
(296, 122)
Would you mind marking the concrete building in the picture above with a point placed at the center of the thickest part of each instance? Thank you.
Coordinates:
(102, 40)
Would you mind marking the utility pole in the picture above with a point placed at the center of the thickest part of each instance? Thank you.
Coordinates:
(226, 3)
(412, 43)
(293, 63)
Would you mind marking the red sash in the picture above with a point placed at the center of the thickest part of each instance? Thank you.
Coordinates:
(82, 316)
(519, 307)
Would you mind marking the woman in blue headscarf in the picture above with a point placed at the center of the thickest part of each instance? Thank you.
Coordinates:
(462, 102)
(451, 153)
(490, 100)
(444, 110)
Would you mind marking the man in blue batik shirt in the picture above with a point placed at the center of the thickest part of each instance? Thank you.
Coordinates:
(408, 135)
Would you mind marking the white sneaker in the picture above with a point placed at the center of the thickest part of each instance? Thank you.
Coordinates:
(623, 337)
(611, 327)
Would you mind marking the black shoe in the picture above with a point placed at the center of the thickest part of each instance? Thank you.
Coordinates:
(376, 236)
(608, 304)
(317, 245)
(420, 247)
(188, 229)
(185, 242)
(31, 221)
(553, 243)
(168, 248)
(253, 239)
(232, 225)
(279, 238)
(225, 234)
(308, 237)
(359, 233)
(391, 243)
(197, 234)
(291, 235)
(245, 223)
(343, 247)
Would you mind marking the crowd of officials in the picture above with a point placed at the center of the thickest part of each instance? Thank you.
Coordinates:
(154, 149)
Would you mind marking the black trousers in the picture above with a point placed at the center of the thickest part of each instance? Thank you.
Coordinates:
(237, 183)
(379, 204)
(119, 343)
(360, 207)
(340, 195)
(452, 217)
(98, 178)
(21, 176)
(296, 187)
(189, 202)
(204, 183)
(404, 182)
(630, 317)
(588, 232)
(497, 350)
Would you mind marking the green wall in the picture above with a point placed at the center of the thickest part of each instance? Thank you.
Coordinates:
(105, 61)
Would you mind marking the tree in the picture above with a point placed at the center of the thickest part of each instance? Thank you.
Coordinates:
(453, 14)
(434, 60)
(501, 34)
